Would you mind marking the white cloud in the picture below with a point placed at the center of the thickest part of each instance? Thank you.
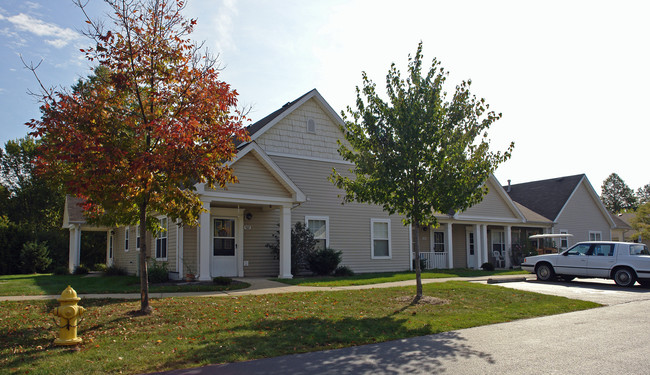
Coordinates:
(56, 36)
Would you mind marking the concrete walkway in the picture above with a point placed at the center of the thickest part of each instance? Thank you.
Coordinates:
(264, 286)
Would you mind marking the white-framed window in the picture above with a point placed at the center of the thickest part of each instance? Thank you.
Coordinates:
(380, 239)
(137, 238)
(564, 241)
(595, 235)
(126, 239)
(439, 242)
(320, 227)
(161, 240)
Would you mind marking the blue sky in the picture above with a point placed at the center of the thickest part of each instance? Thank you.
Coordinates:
(570, 77)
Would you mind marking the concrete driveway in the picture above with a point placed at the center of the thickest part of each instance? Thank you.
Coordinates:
(601, 291)
(606, 340)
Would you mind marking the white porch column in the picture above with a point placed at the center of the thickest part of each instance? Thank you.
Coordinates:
(478, 248)
(179, 250)
(410, 247)
(508, 252)
(450, 247)
(484, 242)
(74, 251)
(204, 244)
(285, 243)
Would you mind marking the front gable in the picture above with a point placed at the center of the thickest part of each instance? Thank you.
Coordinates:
(584, 211)
(309, 128)
(259, 179)
(495, 206)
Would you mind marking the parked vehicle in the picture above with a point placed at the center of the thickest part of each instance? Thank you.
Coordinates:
(624, 262)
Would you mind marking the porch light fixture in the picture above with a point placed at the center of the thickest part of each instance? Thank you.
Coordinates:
(249, 216)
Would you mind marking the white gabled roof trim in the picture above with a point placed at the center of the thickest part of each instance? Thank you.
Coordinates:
(273, 168)
(502, 193)
(594, 196)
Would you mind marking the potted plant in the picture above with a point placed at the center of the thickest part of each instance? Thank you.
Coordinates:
(189, 275)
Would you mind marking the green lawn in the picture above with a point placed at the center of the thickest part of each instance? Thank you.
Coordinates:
(188, 332)
(387, 277)
(41, 284)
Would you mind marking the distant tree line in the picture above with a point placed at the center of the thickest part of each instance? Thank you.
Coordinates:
(618, 197)
(31, 215)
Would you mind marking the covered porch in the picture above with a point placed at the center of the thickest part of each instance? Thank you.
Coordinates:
(469, 245)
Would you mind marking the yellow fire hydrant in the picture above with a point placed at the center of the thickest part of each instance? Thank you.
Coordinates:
(69, 314)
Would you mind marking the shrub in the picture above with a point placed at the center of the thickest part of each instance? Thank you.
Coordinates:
(115, 271)
(423, 264)
(220, 280)
(302, 244)
(343, 271)
(34, 257)
(101, 267)
(158, 272)
(324, 261)
(61, 270)
(487, 266)
(81, 270)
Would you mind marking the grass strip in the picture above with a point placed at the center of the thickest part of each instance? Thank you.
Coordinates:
(188, 332)
(387, 277)
(48, 284)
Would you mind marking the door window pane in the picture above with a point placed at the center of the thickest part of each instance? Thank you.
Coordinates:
(439, 242)
(224, 237)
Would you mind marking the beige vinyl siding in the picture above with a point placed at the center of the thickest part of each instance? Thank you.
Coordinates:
(172, 233)
(263, 224)
(581, 215)
(128, 260)
(349, 223)
(255, 179)
(425, 244)
(190, 250)
(460, 246)
(290, 135)
(492, 205)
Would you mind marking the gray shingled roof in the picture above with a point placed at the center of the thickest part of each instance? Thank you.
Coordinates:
(620, 221)
(546, 197)
(254, 128)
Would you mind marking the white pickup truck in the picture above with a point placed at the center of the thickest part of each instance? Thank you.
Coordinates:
(625, 262)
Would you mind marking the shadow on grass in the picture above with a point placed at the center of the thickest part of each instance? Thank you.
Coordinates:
(33, 344)
(281, 338)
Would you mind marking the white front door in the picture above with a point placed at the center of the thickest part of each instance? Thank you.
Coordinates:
(224, 246)
(470, 241)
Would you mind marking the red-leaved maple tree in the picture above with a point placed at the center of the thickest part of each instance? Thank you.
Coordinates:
(151, 122)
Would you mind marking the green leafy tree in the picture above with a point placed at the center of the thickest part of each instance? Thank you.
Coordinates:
(31, 200)
(643, 194)
(418, 153)
(641, 222)
(134, 139)
(616, 195)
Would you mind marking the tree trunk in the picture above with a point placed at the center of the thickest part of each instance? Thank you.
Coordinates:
(144, 277)
(418, 276)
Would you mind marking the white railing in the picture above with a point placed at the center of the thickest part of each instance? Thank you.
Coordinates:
(434, 260)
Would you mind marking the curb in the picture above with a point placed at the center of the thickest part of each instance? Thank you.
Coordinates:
(507, 280)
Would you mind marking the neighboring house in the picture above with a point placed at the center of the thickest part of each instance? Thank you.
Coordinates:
(283, 179)
(570, 203)
(622, 230)
(624, 220)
